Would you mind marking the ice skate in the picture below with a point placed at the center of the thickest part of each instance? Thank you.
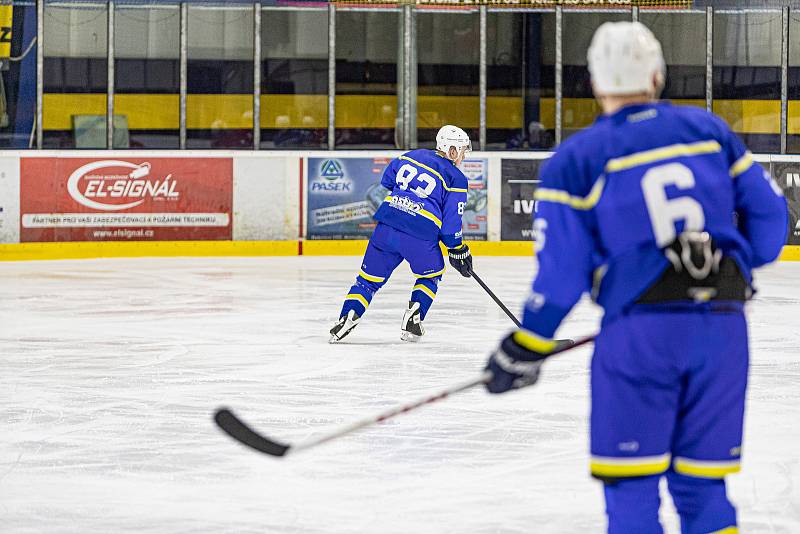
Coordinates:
(344, 326)
(412, 329)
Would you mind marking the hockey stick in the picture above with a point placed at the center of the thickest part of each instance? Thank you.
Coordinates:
(241, 432)
(494, 297)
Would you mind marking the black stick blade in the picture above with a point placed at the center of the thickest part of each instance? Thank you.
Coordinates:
(238, 430)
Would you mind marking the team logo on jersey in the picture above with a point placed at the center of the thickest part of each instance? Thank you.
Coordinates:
(114, 185)
(331, 169)
(406, 204)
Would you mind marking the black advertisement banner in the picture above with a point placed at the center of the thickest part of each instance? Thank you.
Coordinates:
(519, 179)
(787, 176)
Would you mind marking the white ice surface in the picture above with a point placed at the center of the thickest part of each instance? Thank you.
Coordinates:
(110, 371)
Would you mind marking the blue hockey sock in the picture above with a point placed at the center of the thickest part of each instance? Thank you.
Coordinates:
(359, 296)
(702, 504)
(424, 292)
(632, 505)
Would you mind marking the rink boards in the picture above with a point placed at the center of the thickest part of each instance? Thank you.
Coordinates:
(68, 204)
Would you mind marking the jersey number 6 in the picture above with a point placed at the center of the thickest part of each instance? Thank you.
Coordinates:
(664, 212)
(407, 173)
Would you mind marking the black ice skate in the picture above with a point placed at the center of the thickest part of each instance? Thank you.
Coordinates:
(412, 329)
(344, 326)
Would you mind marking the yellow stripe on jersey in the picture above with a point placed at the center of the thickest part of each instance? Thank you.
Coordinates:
(606, 466)
(431, 275)
(658, 154)
(533, 342)
(706, 468)
(430, 216)
(579, 203)
(371, 278)
(425, 289)
(444, 184)
(728, 530)
(360, 298)
(741, 164)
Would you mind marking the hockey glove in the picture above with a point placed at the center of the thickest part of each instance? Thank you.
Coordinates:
(514, 365)
(461, 259)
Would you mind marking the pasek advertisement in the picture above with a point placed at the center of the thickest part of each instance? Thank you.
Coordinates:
(344, 193)
(81, 199)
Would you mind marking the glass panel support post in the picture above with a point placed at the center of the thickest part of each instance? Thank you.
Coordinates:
(39, 72)
(482, 79)
(709, 59)
(184, 57)
(256, 75)
(559, 73)
(331, 76)
(110, 76)
(784, 77)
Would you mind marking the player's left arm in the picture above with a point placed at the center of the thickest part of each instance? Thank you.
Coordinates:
(763, 217)
(389, 177)
(451, 234)
(565, 233)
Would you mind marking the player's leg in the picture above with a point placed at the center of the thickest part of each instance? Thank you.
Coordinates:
(635, 394)
(708, 434)
(376, 267)
(427, 264)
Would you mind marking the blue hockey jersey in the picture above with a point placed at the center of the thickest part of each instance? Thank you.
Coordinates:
(613, 195)
(427, 197)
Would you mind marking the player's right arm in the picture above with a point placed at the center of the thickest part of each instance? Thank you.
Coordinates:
(760, 205)
(565, 245)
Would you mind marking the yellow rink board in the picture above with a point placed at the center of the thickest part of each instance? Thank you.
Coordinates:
(134, 249)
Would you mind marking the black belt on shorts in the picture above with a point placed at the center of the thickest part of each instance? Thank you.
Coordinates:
(727, 284)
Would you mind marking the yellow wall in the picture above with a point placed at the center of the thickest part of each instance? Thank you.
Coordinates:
(160, 111)
(127, 249)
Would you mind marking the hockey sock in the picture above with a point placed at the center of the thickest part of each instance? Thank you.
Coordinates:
(632, 505)
(702, 503)
(359, 296)
(424, 292)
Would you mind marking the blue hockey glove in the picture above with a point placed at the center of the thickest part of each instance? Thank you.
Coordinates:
(461, 259)
(517, 361)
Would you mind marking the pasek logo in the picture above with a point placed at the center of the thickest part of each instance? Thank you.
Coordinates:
(332, 173)
(331, 169)
(94, 187)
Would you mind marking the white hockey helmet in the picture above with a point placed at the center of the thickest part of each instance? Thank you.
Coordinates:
(625, 58)
(452, 136)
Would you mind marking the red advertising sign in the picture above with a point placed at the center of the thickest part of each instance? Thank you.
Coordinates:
(125, 199)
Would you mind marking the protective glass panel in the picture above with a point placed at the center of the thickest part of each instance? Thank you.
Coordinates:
(448, 49)
(17, 75)
(366, 78)
(75, 74)
(793, 124)
(294, 79)
(147, 75)
(520, 72)
(747, 76)
(579, 106)
(219, 102)
(683, 41)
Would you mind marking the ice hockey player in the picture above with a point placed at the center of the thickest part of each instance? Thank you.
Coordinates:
(425, 204)
(661, 212)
